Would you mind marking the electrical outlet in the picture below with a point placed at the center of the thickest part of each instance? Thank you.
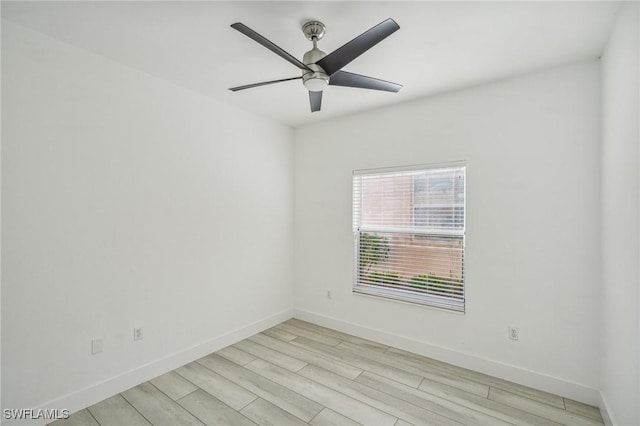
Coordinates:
(96, 346)
(137, 333)
(514, 333)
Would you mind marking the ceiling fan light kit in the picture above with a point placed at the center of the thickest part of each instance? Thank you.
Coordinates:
(319, 69)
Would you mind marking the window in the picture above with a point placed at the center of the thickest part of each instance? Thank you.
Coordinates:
(409, 231)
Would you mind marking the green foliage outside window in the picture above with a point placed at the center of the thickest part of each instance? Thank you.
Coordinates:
(437, 285)
(374, 249)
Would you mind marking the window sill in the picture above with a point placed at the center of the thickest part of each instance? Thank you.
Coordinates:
(395, 295)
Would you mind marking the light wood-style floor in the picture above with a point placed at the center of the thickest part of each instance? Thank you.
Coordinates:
(298, 373)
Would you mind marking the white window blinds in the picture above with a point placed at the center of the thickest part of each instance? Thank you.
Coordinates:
(409, 229)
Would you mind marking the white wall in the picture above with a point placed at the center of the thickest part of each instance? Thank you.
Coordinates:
(532, 150)
(0, 227)
(620, 370)
(128, 201)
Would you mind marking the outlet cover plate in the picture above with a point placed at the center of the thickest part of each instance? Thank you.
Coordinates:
(96, 346)
(138, 334)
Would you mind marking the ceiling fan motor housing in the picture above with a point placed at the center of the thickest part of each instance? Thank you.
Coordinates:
(317, 79)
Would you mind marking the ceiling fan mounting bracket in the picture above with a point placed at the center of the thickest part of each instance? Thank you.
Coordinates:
(314, 29)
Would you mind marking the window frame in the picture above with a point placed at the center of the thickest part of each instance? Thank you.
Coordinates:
(449, 304)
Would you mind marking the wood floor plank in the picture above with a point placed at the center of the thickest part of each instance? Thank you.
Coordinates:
(173, 385)
(369, 344)
(445, 407)
(582, 409)
(157, 407)
(424, 370)
(341, 355)
(274, 357)
(265, 413)
(279, 334)
(311, 335)
(223, 389)
(484, 405)
(233, 354)
(79, 418)
(279, 395)
(308, 356)
(419, 360)
(328, 397)
(540, 409)
(527, 392)
(376, 398)
(211, 411)
(328, 417)
(116, 411)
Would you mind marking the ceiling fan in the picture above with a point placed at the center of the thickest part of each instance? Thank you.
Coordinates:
(320, 69)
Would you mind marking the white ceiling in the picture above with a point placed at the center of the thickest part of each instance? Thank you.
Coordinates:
(440, 45)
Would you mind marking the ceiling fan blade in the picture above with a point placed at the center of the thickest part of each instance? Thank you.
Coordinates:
(349, 79)
(269, 45)
(264, 83)
(340, 57)
(315, 99)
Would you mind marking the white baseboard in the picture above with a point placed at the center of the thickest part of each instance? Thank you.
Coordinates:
(90, 395)
(494, 368)
(604, 410)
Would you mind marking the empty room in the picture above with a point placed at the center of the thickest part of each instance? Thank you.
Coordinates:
(325, 213)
